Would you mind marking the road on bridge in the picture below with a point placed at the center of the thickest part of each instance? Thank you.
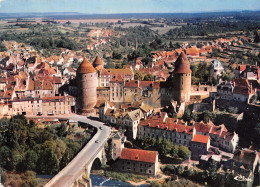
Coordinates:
(68, 175)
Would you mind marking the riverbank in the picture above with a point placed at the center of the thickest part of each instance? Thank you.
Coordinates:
(133, 179)
(98, 180)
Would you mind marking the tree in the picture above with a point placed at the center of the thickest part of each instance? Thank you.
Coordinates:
(187, 115)
(29, 179)
(2, 47)
(184, 152)
(257, 38)
(47, 162)
(31, 159)
(138, 76)
(149, 77)
(202, 72)
(208, 116)
(171, 45)
(165, 146)
(233, 110)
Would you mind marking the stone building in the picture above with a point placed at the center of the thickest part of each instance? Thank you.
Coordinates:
(176, 132)
(131, 121)
(216, 70)
(86, 87)
(199, 145)
(132, 91)
(138, 161)
(117, 89)
(117, 145)
(56, 105)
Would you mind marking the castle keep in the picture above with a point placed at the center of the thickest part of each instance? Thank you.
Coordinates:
(87, 87)
(181, 79)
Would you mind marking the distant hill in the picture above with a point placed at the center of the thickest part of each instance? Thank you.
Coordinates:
(76, 15)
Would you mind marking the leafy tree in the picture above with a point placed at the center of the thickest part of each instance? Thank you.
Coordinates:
(184, 152)
(171, 45)
(208, 116)
(2, 47)
(61, 130)
(138, 76)
(148, 77)
(257, 38)
(202, 72)
(5, 157)
(164, 146)
(31, 159)
(189, 115)
(29, 179)
(117, 56)
(47, 162)
(233, 110)
(227, 76)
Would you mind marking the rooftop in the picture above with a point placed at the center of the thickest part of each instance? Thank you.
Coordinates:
(139, 155)
(86, 67)
(182, 65)
(200, 138)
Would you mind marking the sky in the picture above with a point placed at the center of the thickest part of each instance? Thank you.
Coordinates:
(126, 6)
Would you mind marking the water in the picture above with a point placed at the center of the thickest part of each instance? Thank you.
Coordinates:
(98, 180)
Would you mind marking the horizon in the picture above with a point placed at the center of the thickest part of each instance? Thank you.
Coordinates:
(118, 7)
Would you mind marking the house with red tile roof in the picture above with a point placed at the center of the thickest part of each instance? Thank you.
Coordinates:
(138, 161)
(173, 130)
(243, 90)
(199, 145)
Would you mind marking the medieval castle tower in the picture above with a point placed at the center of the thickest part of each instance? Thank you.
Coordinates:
(86, 87)
(181, 79)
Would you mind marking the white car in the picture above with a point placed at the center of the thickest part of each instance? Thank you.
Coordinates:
(96, 141)
(101, 128)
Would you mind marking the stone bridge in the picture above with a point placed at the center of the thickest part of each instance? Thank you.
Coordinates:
(77, 172)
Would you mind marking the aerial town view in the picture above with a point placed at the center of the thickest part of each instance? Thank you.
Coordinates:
(145, 93)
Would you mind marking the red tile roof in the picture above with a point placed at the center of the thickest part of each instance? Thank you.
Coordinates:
(200, 138)
(145, 83)
(139, 155)
(97, 62)
(132, 84)
(227, 135)
(202, 127)
(86, 67)
(182, 65)
(242, 86)
(117, 78)
(167, 126)
(193, 51)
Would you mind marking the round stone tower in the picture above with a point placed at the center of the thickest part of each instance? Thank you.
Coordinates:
(86, 88)
(182, 79)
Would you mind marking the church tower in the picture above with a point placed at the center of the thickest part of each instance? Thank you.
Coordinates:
(182, 79)
(86, 88)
